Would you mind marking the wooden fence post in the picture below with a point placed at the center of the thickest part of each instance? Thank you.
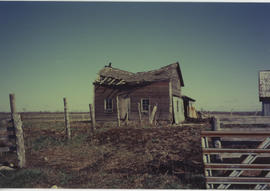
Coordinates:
(67, 123)
(92, 117)
(140, 114)
(149, 113)
(12, 104)
(118, 111)
(127, 118)
(216, 141)
(153, 114)
(215, 124)
(17, 123)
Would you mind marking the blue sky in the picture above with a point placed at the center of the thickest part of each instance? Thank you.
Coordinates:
(51, 50)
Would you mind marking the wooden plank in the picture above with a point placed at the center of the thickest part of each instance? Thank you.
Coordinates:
(242, 139)
(5, 123)
(120, 82)
(4, 149)
(5, 132)
(140, 114)
(231, 155)
(237, 180)
(235, 133)
(7, 149)
(113, 80)
(58, 120)
(227, 166)
(206, 159)
(118, 111)
(153, 114)
(4, 137)
(243, 151)
(102, 81)
(236, 155)
(7, 129)
(243, 129)
(170, 101)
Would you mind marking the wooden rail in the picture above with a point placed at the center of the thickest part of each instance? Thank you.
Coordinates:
(245, 120)
(238, 180)
(236, 133)
(229, 166)
(44, 117)
(220, 175)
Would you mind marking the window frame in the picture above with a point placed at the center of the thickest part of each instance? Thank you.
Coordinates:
(106, 109)
(142, 109)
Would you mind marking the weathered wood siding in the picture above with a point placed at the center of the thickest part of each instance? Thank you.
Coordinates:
(264, 84)
(157, 92)
(102, 93)
(264, 91)
(176, 88)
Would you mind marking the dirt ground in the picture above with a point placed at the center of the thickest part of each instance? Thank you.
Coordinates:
(126, 157)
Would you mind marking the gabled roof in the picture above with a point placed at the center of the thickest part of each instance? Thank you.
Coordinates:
(113, 76)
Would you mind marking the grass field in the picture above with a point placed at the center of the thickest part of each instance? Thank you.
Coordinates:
(126, 157)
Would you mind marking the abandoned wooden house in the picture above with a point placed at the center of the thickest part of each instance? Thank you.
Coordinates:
(122, 95)
(264, 91)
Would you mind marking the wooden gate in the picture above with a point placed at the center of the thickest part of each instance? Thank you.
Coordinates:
(7, 136)
(11, 138)
(240, 160)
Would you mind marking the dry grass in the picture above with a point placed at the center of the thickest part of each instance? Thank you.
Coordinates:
(126, 157)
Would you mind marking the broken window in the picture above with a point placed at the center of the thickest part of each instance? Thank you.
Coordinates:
(108, 105)
(145, 105)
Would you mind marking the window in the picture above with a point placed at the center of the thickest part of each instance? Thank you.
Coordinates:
(108, 105)
(145, 105)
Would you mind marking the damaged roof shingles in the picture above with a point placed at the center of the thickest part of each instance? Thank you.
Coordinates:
(164, 73)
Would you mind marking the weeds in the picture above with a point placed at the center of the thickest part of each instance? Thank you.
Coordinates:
(44, 142)
(23, 178)
(110, 158)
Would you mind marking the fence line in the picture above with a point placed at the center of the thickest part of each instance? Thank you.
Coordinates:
(58, 117)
